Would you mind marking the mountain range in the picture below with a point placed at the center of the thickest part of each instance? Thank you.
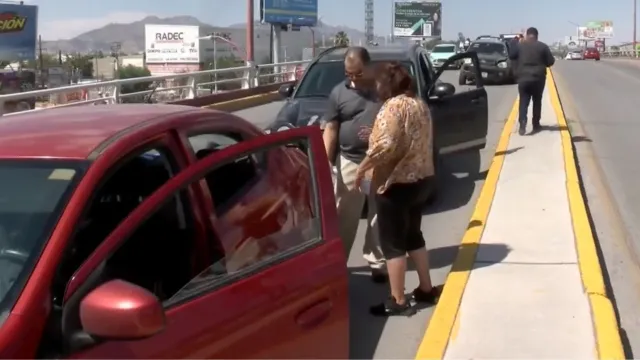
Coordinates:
(131, 37)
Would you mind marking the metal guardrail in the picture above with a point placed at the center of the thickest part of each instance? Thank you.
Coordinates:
(174, 88)
(622, 54)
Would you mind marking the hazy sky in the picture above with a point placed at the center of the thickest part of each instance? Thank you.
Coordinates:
(67, 18)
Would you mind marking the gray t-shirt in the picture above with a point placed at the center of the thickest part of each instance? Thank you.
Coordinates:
(353, 109)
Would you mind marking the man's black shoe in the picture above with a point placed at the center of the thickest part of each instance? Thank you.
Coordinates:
(536, 129)
(379, 276)
(522, 129)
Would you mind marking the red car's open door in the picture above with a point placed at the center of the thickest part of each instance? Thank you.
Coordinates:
(285, 295)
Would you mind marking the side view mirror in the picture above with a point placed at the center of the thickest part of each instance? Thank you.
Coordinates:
(443, 89)
(286, 90)
(121, 310)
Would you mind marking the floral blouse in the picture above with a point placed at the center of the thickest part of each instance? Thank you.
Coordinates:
(401, 143)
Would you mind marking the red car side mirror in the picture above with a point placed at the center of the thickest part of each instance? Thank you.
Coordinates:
(120, 310)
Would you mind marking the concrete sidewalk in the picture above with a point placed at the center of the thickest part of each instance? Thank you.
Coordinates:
(527, 302)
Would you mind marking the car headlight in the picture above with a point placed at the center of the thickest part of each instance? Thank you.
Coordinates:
(317, 120)
(468, 61)
(502, 64)
(284, 128)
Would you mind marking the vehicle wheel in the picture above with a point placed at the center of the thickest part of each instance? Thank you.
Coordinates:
(598, 59)
(462, 80)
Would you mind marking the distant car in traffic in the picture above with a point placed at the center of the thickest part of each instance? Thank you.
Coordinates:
(165, 231)
(575, 55)
(441, 52)
(495, 65)
(591, 54)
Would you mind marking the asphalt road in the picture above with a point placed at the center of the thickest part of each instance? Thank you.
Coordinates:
(601, 109)
(443, 224)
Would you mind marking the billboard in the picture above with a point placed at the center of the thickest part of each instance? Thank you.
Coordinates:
(586, 34)
(18, 32)
(293, 12)
(417, 19)
(602, 29)
(167, 44)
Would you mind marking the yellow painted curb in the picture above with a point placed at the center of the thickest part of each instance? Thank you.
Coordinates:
(443, 320)
(245, 103)
(605, 324)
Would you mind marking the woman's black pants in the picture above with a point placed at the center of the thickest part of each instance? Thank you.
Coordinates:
(399, 211)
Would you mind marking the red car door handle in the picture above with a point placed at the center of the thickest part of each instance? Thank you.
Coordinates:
(314, 314)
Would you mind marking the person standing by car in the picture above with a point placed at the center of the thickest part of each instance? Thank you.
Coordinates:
(533, 58)
(351, 111)
(399, 167)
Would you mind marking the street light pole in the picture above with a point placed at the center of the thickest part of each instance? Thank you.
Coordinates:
(635, 17)
(249, 40)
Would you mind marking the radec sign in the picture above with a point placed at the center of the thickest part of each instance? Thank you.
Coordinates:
(172, 36)
(172, 44)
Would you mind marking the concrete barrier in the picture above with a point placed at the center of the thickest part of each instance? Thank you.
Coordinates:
(237, 99)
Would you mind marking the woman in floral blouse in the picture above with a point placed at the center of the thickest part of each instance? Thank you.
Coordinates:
(399, 164)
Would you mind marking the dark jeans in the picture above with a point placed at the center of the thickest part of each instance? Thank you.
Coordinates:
(530, 90)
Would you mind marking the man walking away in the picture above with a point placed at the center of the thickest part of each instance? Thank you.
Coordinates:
(533, 58)
(351, 112)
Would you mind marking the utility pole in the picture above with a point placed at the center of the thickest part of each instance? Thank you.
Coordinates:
(249, 40)
(115, 52)
(635, 17)
(41, 60)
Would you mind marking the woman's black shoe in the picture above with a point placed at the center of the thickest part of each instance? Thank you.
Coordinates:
(390, 308)
(429, 297)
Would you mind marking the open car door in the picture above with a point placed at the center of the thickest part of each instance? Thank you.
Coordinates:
(281, 293)
(461, 116)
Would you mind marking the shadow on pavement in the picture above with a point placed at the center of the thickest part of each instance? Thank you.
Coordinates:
(364, 339)
(457, 177)
(577, 139)
(509, 151)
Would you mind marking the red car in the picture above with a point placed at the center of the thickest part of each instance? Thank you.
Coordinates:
(165, 231)
(592, 54)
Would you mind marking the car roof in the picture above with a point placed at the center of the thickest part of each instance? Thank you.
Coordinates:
(489, 40)
(75, 132)
(384, 53)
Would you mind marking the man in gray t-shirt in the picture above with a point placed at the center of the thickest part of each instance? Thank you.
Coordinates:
(352, 109)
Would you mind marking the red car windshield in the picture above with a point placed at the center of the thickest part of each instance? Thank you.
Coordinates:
(33, 194)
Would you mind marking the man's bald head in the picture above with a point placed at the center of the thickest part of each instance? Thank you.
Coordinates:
(355, 61)
(357, 54)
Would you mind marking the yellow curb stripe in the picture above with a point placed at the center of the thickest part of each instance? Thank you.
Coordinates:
(608, 341)
(444, 319)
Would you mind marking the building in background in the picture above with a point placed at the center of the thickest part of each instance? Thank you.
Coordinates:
(172, 49)
(18, 32)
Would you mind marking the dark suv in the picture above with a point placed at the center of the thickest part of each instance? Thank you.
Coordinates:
(460, 119)
(495, 65)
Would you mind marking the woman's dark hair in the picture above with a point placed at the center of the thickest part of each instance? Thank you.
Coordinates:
(393, 79)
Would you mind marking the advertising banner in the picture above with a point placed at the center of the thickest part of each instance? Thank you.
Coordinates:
(289, 12)
(586, 34)
(603, 29)
(18, 32)
(166, 44)
(417, 19)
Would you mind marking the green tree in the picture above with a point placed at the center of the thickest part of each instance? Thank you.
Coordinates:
(82, 63)
(225, 62)
(341, 39)
(130, 72)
